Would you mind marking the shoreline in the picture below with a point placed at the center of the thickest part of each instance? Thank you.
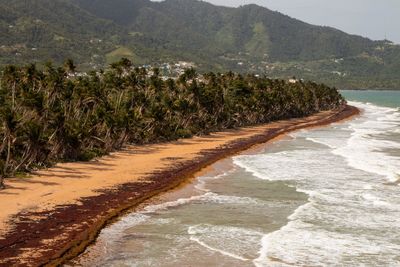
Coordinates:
(55, 233)
(190, 193)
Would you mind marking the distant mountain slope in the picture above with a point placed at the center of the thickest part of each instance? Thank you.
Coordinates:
(193, 24)
(249, 38)
(38, 30)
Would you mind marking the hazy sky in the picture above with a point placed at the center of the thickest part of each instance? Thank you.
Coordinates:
(375, 19)
(371, 18)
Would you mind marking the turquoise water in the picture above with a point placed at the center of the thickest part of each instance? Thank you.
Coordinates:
(381, 98)
(319, 197)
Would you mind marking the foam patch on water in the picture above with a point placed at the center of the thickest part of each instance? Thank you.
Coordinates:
(375, 200)
(208, 197)
(365, 149)
(318, 141)
(115, 232)
(284, 165)
(110, 235)
(234, 242)
(202, 181)
(176, 203)
(338, 249)
(316, 236)
(351, 215)
(223, 252)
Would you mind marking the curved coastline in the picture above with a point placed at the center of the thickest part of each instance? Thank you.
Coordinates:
(51, 237)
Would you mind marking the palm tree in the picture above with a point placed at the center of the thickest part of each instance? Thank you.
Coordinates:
(51, 115)
(10, 124)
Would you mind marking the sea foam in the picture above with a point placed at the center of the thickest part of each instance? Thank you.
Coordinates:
(235, 242)
(349, 219)
(366, 148)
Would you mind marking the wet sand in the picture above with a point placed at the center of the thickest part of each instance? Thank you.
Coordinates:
(53, 215)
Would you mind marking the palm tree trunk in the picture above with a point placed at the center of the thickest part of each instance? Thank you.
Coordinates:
(8, 156)
(1, 182)
(13, 95)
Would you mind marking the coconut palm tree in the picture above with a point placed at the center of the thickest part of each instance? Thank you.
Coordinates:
(50, 114)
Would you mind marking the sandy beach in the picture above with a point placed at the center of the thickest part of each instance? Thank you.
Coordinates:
(52, 215)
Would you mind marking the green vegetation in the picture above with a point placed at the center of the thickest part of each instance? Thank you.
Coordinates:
(50, 115)
(121, 52)
(245, 39)
(41, 30)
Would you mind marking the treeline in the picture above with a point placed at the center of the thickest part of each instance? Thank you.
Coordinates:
(52, 114)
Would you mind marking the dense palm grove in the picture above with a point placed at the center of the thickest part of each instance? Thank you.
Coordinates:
(52, 115)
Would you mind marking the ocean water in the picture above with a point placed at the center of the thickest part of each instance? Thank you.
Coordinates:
(319, 197)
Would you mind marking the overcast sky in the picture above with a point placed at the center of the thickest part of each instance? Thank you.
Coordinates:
(375, 19)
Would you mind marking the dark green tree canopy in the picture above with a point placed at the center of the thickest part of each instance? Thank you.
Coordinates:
(50, 115)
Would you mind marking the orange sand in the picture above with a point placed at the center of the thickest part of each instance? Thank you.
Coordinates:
(66, 183)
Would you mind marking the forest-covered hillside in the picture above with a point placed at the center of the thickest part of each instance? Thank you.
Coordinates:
(246, 39)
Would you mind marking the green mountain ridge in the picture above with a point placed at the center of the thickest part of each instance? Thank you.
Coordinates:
(246, 39)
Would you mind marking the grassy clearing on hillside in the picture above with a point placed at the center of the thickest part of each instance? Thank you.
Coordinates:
(121, 52)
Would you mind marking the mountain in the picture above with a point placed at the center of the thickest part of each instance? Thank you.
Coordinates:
(52, 30)
(245, 39)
